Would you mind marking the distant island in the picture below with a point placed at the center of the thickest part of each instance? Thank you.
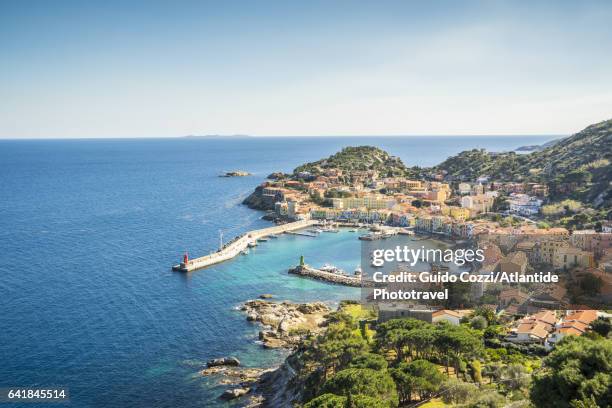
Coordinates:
(235, 173)
(237, 136)
(534, 148)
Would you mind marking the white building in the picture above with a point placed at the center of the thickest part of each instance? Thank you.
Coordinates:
(523, 204)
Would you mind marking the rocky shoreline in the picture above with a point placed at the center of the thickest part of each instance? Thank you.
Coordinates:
(284, 323)
(256, 201)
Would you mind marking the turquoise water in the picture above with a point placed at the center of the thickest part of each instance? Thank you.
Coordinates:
(90, 228)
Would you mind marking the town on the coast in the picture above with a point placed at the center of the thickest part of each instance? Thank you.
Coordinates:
(488, 344)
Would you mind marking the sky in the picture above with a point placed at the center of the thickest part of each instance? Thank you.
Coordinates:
(280, 68)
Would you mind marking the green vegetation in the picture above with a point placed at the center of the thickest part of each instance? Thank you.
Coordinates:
(360, 158)
(409, 361)
(576, 374)
(577, 170)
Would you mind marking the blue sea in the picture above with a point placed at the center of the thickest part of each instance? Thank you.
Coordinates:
(90, 228)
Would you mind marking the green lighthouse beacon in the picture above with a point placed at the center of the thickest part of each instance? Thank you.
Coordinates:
(301, 260)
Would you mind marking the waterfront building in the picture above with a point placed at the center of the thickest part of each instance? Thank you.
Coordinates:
(424, 223)
(292, 209)
(458, 213)
(370, 201)
(280, 208)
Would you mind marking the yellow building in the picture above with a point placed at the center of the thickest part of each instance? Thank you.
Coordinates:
(570, 257)
(369, 201)
(437, 195)
(411, 184)
(458, 213)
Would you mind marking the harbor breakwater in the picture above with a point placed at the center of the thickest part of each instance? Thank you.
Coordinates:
(347, 280)
(239, 244)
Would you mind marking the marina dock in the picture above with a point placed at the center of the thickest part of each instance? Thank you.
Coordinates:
(303, 234)
(238, 245)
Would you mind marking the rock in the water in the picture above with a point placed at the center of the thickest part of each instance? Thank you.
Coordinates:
(270, 342)
(234, 393)
(224, 361)
(266, 296)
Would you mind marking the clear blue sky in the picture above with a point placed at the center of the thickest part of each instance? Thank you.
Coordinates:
(138, 69)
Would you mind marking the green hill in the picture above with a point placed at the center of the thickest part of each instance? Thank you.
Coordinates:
(360, 158)
(577, 167)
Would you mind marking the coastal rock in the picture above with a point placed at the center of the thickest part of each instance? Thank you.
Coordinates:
(272, 343)
(224, 361)
(234, 393)
(257, 201)
(277, 175)
(284, 322)
(235, 173)
(266, 296)
(315, 307)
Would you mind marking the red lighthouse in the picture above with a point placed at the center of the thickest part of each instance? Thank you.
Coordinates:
(185, 258)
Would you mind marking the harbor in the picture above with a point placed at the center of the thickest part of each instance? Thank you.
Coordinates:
(238, 245)
(329, 276)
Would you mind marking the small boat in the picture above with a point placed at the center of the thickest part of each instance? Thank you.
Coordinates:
(353, 230)
(335, 230)
(358, 271)
(332, 269)
(273, 236)
(262, 240)
(244, 252)
(252, 244)
(371, 237)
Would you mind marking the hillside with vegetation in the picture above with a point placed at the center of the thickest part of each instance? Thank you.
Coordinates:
(577, 167)
(409, 362)
(360, 158)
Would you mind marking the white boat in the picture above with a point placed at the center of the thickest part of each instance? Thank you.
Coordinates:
(244, 252)
(273, 236)
(332, 269)
(353, 230)
(358, 271)
(252, 244)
